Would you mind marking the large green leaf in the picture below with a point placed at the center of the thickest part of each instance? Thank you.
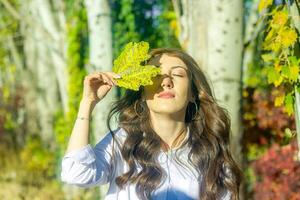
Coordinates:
(128, 65)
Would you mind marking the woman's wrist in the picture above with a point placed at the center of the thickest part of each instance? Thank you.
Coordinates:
(85, 108)
(86, 101)
(84, 118)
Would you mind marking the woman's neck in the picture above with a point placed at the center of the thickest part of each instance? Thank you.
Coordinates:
(171, 131)
(177, 141)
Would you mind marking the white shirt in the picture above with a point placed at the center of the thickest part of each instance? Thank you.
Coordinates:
(90, 166)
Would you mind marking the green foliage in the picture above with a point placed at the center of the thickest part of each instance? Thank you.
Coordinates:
(124, 27)
(128, 65)
(9, 98)
(9, 123)
(152, 21)
(250, 177)
(26, 162)
(37, 159)
(156, 23)
(262, 119)
(28, 172)
(255, 151)
(282, 65)
(77, 37)
(268, 97)
(263, 4)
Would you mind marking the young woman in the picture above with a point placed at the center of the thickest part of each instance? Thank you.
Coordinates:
(171, 143)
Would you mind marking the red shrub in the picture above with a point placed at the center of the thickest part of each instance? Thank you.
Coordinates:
(278, 172)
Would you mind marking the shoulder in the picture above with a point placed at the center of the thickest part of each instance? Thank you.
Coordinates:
(119, 134)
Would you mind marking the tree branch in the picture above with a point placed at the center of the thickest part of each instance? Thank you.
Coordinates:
(11, 9)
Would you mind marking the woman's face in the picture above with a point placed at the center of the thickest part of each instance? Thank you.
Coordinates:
(175, 79)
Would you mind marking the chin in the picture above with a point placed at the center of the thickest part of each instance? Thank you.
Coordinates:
(167, 109)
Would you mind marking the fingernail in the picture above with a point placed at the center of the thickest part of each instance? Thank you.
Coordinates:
(117, 76)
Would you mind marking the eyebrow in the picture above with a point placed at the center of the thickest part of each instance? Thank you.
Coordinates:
(179, 66)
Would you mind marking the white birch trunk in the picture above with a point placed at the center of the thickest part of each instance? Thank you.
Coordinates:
(295, 13)
(100, 41)
(56, 44)
(193, 23)
(100, 59)
(211, 32)
(252, 29)
(30, 75)
(46, 76)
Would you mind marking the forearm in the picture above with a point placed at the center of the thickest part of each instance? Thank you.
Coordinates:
(80, 132)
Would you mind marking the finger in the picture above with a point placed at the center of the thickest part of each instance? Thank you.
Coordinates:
(110, 78)
(107, 79)
(95, 80)
(99, 76)
(114, 75)
(91, 77)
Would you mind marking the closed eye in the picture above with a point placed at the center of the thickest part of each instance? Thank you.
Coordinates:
(177, 75)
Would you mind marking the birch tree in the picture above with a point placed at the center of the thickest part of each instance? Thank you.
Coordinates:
(46, 78)
(295, 14)
(211, 32)
(100, 59)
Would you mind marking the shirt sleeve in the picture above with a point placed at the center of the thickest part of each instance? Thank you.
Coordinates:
(88, 166)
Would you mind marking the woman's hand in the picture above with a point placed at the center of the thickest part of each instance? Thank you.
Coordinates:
(97, 85)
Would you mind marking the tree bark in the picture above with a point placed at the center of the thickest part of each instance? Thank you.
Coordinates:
(100, 42)
(211, 32)
(294, 11)
(46, 77)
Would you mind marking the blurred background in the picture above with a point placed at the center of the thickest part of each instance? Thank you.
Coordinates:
(248, 49)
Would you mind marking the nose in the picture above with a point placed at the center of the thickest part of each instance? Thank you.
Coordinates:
(166, 81)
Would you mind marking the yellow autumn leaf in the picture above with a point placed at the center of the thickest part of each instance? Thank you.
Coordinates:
(173, 24)
(279, 18)
(287, 37)
(277, 67)
(294, 73)
(270, 35)
(267, 57)
(129, 64)
(275, 46)
(289, 104)
(279, 100)
(263, 4)
(278, 81)
(5, 93)
(248, 116)
(245, 93)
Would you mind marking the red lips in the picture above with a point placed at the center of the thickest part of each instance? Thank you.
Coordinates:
(166, 94)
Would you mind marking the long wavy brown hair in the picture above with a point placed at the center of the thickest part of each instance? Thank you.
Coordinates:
(208, 141)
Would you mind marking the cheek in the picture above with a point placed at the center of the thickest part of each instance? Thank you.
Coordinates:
(181, 87)
(150, 90)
